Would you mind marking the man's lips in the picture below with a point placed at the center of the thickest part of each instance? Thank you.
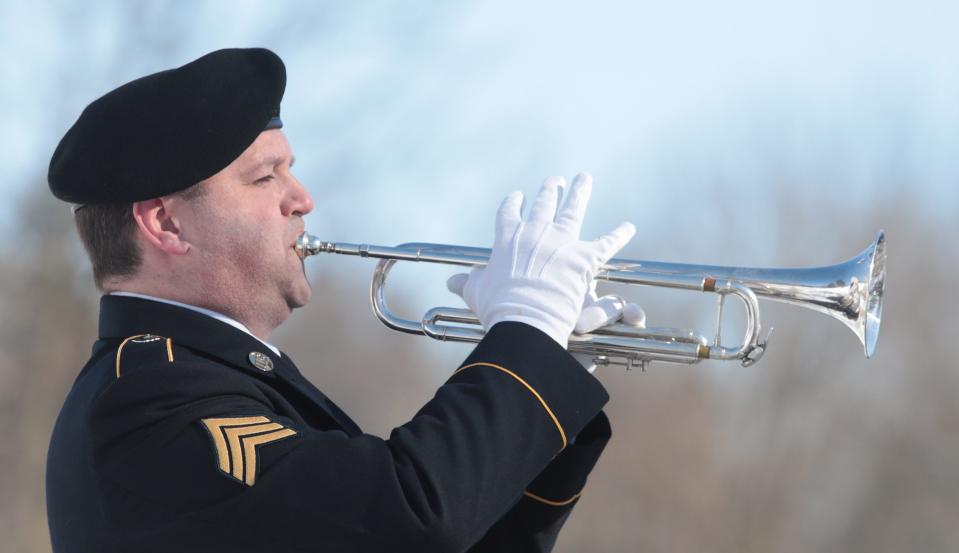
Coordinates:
(294, 250)
(296, 237)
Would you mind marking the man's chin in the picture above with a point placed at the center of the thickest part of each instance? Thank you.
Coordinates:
(301, 296)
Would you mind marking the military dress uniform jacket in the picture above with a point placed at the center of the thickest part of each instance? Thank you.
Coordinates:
(183, 433)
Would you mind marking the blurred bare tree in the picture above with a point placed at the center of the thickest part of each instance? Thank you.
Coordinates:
(48, 323)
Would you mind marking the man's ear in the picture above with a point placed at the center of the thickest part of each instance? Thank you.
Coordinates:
(159, 227)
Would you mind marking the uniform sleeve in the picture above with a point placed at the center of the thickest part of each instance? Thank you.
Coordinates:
(439, 483)
(533, 524)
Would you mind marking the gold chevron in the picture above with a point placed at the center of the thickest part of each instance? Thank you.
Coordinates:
(250, 444)
(236, 440)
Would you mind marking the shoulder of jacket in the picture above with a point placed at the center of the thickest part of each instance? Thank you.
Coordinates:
(152, 352)
(143, 349)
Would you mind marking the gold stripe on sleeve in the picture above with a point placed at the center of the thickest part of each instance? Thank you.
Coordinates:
(562, 433)
(553, 503)
(169, 349)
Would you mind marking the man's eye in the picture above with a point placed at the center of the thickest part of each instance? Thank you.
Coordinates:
(264, 180)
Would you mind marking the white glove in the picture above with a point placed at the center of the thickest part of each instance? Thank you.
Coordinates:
(539, 270)
(598, 312)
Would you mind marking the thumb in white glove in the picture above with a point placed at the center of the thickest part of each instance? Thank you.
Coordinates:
(599, 312)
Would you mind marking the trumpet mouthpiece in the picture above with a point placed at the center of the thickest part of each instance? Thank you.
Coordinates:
(307, 245)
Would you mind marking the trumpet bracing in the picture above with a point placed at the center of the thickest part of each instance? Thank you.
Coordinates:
(850, 292)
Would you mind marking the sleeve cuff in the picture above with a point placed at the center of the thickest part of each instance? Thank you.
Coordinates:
(563, 480)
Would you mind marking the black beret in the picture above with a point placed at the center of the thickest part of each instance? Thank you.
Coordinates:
(170, 130)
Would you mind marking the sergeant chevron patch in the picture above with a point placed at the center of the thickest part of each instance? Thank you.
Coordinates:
(236, 440)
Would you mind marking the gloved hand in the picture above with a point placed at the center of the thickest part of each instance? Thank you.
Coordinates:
(539, 270)
(598, 312)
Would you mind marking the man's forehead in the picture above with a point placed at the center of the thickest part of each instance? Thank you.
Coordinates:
(270, 148)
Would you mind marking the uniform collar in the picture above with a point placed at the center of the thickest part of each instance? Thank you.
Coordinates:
(208, 312)
(124, 316)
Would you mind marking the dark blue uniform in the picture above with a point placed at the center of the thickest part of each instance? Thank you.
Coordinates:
(183, 433)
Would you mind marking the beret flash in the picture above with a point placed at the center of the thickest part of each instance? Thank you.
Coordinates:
(165, 132)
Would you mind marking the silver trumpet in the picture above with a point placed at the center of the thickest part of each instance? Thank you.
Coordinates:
(851, 292)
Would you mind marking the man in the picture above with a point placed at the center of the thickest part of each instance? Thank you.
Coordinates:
(187, 431)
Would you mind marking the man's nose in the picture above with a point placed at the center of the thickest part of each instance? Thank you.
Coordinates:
(298, 199)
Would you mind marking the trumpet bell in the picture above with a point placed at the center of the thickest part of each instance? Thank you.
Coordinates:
(870, 269)
(851, 291)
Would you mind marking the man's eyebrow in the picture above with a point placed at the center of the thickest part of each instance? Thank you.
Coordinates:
(266, 162)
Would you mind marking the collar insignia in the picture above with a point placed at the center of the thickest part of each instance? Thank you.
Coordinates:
(261, 361)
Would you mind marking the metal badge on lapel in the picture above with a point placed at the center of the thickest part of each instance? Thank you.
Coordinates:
(261, 361)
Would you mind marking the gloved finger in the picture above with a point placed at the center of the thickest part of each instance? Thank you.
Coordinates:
(573, 211)
(606, 310)
(611, 242)
(544, 206)
(456, 283)
(509, 216)
(633, 315)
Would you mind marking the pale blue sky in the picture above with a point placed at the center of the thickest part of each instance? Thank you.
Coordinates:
(411, 120)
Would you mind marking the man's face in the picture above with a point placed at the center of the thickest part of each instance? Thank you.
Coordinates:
(242, 231)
